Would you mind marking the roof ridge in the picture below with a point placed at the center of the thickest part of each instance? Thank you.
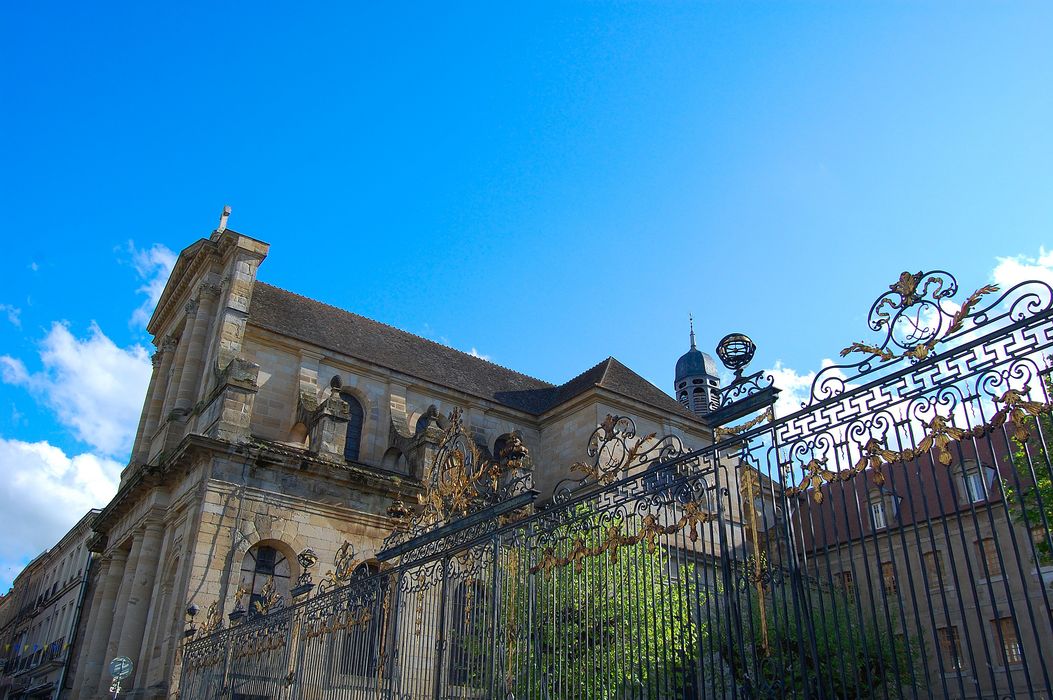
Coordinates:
(405, 332)
(579, 375)
(607, 368)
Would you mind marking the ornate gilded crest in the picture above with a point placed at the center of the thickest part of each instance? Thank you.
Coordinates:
(463, 479)
(613, 449)
(344, 564)
(213, 620)
(916, 314)
(268, 598)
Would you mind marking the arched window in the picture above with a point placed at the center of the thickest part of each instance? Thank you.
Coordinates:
(500, 444)
(395, 461)
(701, 403)
(362, 641)
(356, 416)
(261, 564)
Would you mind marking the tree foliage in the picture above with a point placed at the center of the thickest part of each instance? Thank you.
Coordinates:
(826, 649)
(606, 626)
(1032, 459)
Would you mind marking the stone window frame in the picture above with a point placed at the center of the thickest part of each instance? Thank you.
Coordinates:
(258, 579)
(1004, 634)
(353, 399)
(974, 481)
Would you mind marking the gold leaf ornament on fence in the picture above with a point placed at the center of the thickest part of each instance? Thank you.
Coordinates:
(940, 436)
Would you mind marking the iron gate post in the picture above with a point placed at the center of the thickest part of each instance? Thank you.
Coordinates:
(440, 639)
(392, 660)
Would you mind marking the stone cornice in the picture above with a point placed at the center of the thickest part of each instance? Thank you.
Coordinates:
(193, 447)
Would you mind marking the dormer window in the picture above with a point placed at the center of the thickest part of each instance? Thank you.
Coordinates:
(877, 515)
(883, 507)
(974, 482)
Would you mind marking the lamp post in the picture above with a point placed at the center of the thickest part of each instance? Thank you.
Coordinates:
(191, 628)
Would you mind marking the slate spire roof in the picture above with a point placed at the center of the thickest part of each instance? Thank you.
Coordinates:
(327, 326)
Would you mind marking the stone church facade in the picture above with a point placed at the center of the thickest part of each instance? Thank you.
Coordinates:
(274, 424)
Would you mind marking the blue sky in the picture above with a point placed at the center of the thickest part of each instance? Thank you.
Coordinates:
(547, 184)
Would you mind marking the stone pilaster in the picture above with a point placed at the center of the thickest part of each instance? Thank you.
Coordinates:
(140, 591)
(141, 439)
(173, 625)
(119, 609)
(159, 602)
(191, 342)
(156, 398)
(233, 316)
(177, 364)
(99, 622)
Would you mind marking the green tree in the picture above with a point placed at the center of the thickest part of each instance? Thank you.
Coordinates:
(1032, 458)
(850, 658)
(604, 623)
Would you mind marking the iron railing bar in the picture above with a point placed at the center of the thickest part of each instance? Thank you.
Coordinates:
(905, 555)
(1003, 501)
(958, 515)
(989, 576)
(902, 531)
(856, 590)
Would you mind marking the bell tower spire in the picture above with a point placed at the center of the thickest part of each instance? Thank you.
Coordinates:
(696, 382)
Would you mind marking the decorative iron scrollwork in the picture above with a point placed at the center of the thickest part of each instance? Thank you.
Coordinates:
(213, 620)
(307, 559)
(917, 319)
(651, 530)
(768, 415)
(940, 434)
(736, 351)
(462, 480)
(268, 599)
(614, 449)
(917, 316)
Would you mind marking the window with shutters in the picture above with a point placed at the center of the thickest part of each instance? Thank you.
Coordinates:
(987, 558)
(878, 515)
(1005, 632)
(950, 647)
(934, 568)
(888, 577)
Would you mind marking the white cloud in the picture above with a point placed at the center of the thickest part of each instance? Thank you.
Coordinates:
(796, 387)
(1021, 268)
(14, 314)
(475, 353)
(153, 265)
(93, 387)
(45, 493)
(34, 267)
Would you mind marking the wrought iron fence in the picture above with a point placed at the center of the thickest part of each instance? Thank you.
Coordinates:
(890, 538)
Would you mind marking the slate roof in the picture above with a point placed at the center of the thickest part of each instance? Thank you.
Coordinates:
(327, 326)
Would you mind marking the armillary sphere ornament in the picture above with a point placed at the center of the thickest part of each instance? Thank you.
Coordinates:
(736, 350)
